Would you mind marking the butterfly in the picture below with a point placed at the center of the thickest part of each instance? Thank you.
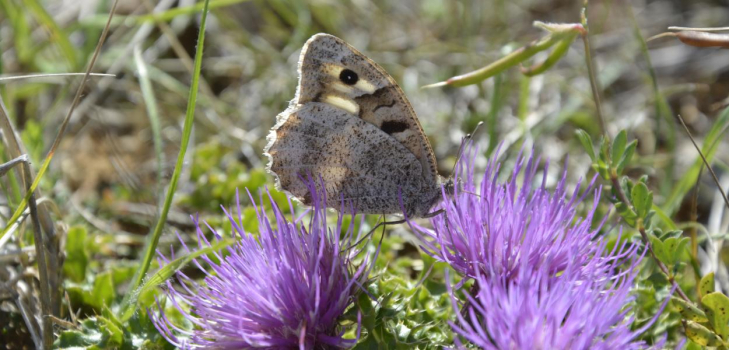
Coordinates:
(351, 125)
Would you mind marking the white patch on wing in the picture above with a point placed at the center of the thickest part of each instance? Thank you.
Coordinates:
(343, 88)
(365, 86)
(342, 103)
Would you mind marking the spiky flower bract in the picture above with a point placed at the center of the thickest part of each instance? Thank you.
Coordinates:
(541, 276)
(285, 288)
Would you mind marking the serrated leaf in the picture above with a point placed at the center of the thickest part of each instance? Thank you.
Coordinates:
(689, 311)
(368, 312)
(627, 156)
(642, 199)
(701, 335)
(110, 317)
(114, 333)
(403, 331)
(618, 147)
(586, 141)
(716, 307)
(706, 285)
(368, 343)
(72, 340)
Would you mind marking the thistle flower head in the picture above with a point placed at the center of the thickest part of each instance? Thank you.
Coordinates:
(547, 311)
(542, 279)
(505, 228)
(285, 288)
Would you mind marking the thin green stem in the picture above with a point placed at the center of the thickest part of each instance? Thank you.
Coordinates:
(153, 238)
(591, 72)
(644, 236)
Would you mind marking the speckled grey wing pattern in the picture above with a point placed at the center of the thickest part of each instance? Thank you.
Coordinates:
(351, 125)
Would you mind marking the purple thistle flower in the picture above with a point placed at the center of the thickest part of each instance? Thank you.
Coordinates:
(286, 289)
(542, 277)
(509, 228)
(545, 311)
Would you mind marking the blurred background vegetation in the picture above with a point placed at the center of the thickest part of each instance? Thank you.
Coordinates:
(105, 181)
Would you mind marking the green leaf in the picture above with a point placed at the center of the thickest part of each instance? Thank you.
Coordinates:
(368, 312)
(701, 335)
(618, 147)
(706, 285)
(114, 334)
(664, 218)
(689, 311)
(642, 199)
(563, 35)
(626, 213)
(693, 346)
(716, 307)
(602, 169)
(102, 293)
(658, 248)
(94, 333)
(604, 149)
(559, 50)
(77, 259)
(627, 156)
(73, 340)
(674, 247)
(586, 141)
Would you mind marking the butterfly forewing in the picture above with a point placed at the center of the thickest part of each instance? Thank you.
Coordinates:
(352, 125)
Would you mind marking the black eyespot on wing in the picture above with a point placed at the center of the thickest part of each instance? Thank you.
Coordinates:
(393, 127)
(348, 77)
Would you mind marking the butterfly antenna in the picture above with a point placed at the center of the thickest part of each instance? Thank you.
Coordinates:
(365, 237)
(466, 138)
(433, 214)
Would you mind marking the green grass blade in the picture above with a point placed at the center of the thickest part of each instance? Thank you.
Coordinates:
(150, 103)
(709, 148)
(67, 50)
(21, 30)
(153, 239)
